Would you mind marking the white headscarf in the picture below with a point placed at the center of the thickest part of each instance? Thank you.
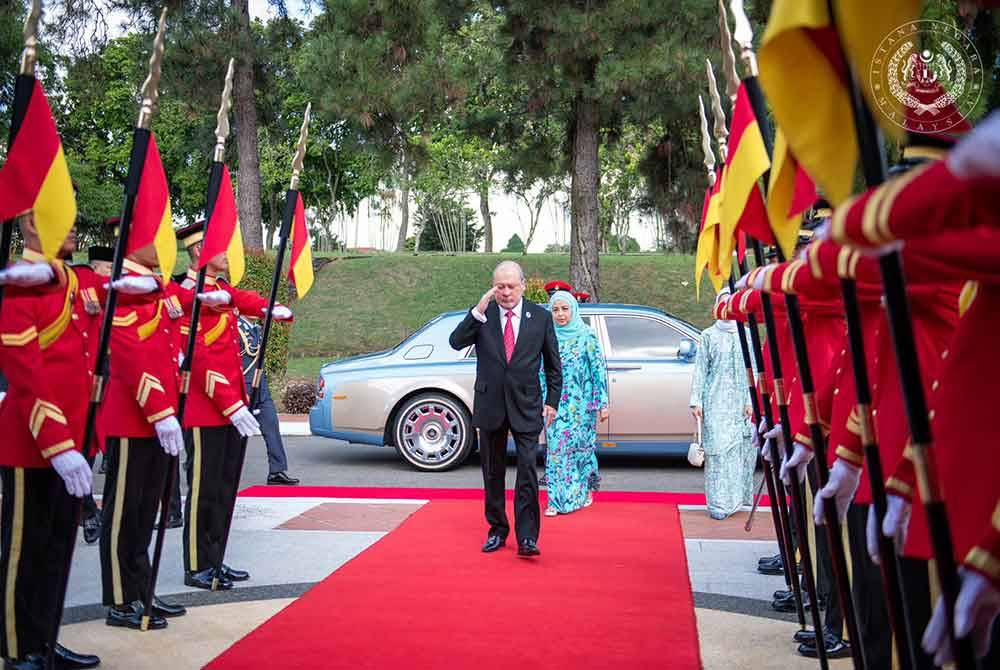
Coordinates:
(726, 326)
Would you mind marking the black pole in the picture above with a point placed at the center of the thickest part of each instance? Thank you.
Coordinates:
(291, 198)
(779, 508)
(24, 86)
(140, 143)
(897, 303)
(892, 583)
(214, 182)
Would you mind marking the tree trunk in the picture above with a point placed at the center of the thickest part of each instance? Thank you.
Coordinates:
(245, 114)
(405, 205)
(584, 260)
(484, 209)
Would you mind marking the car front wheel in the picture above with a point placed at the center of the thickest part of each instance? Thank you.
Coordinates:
(433, 432)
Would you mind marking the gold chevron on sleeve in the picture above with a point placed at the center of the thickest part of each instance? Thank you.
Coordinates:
(125, 320)
(19, 339)
(211, 379)
(147, 384)
(41, 411)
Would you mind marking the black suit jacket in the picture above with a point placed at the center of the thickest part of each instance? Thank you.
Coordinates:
(512, 389)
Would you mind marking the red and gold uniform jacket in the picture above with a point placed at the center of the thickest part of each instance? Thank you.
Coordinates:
(142, 385)
(46, 354)
(960, 220)
(217, 388)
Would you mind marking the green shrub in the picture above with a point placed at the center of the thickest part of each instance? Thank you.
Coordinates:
(515, 245)
(299, 397)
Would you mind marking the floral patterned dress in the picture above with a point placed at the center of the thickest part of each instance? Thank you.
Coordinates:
(719, 387)
(571, 439)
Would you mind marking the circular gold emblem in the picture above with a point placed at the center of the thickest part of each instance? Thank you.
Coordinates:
(927, 76)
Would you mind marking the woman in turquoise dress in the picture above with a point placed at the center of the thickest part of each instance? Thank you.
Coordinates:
(719, 397)
(571, 439)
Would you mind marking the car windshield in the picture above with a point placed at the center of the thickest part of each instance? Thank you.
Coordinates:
(418, 331)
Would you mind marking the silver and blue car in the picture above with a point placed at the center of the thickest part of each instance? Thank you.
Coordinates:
(417, 397)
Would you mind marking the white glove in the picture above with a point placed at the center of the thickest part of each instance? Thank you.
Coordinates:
(871, 536)
(135, 285)
(978, 154)
(841, 485)
(170, 434)
(798, 461)
(245, 422)
(75, 472)
(3, 394)
(215, 298)
(758, 281)
(280, 312)
(26, 275)
(765, 445)
(976, 609)
(741, 283)
(896, 523)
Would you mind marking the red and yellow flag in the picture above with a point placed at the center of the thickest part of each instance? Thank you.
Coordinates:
(805, 78)
(36, 177)
(708, 237)
(300, 270)
(151, 218)
(791, 192)
(222, 235)
(746, 163)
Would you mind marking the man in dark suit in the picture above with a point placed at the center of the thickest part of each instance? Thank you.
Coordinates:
(513, 337)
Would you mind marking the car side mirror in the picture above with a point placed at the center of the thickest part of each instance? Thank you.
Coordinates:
(687, 349)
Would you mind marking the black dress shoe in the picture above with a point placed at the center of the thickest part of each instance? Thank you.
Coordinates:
(527, 549)
(493, 542)
(805, 637)
(281, 478)
(66, 658)
(162, 608)
(173, 521)
(92, 529)
(32, 662)
(835, 647)
(768, 559)
(234, 575)
(203, 580)
(772, 568)
(127, 616)
(788, 604)
(781, 594)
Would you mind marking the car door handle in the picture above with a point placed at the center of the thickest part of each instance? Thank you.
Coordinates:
(620, 368)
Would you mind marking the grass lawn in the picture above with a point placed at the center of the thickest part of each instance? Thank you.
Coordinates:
(366, 304)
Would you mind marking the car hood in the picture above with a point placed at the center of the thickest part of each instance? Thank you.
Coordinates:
(357, 362)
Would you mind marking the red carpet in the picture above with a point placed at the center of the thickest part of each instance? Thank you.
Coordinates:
(460, 494)
(610, 590)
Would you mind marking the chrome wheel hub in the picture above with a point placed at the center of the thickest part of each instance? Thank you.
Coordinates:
(432, 432)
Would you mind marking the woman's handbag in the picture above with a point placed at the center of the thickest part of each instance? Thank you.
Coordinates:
(696, 453)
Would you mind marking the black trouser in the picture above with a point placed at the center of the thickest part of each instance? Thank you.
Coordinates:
(493, 453)
(133, 487)
(267, 417)
(37, 523)
(174, 509)
(213, 462)
(869, 595)
(826, 584)
(916, 581)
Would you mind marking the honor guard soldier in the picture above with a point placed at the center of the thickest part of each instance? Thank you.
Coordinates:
(217, 417)
(43, 355)
(138, 420)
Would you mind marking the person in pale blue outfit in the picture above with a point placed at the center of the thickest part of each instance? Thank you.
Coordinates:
(571, 439)
(719, 397)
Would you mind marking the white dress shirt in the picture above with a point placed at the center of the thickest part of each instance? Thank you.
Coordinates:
(515, 320)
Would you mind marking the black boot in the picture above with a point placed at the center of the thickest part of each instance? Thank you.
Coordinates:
(92, 529)
(835, 647)
(203, 580)
(162, 608)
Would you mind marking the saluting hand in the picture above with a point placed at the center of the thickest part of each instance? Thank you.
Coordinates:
(484, 302)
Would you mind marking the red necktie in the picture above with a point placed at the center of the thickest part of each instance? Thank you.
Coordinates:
(508, 335)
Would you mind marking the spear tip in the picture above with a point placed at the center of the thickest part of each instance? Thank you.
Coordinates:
(30, 54)
(300, 148)
(743, 34)
(150, 87)
(222, 119)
